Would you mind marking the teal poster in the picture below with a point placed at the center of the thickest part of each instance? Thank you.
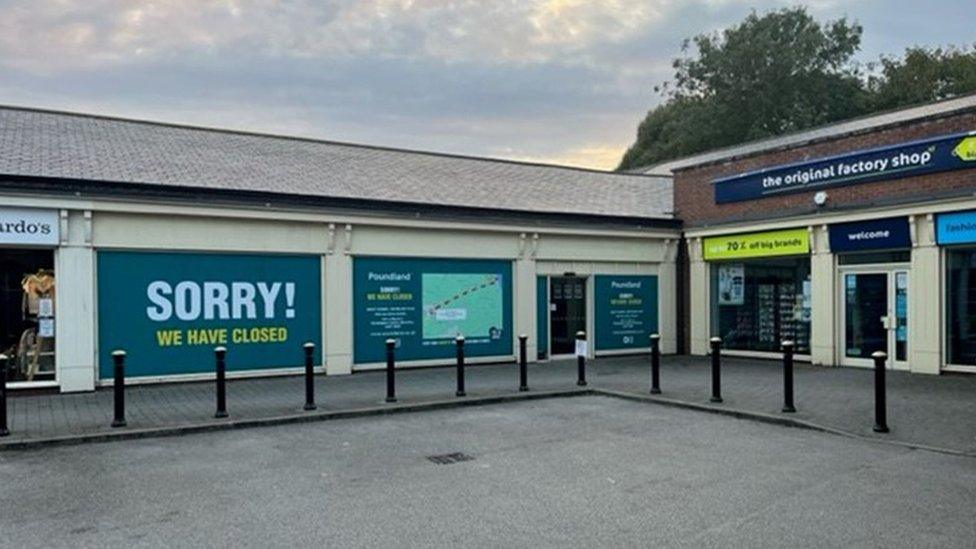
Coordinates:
(626, 311)
(424, 304)
(169, 311)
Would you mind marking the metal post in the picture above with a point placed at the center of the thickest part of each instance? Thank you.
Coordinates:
(220, 354)
(118, 388)
(390, 366)
(4, 364)
(523, 367)
(716, 343)
(459, 341)
(581, 358)
(788, 406)
(655, 364)
(880, 404)
(309, 376)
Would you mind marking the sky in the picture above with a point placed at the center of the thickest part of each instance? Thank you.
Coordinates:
(554, 81)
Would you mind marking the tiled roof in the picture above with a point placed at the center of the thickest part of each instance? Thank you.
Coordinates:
(831, 131)
(38, 143)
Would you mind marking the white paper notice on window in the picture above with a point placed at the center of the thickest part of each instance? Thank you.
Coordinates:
(45, 327)
(580, 347)
(45, 307)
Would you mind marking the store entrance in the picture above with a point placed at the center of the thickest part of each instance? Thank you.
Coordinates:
(27, 306)
(875, 316)
(567, 312)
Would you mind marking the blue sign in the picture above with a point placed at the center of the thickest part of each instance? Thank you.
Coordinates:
(875, 234)
(626, 311)
(939, 154)
(169, 311)
(955, 228)
(424, 304)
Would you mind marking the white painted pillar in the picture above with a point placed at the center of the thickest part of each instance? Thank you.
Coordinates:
(524, 308)
(698, 290)
(924, 300)
(74, 334)
(337, 315)
(823, 276)
(667, 296)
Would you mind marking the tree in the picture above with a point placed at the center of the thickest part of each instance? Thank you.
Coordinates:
(770, 74)
(922, 75)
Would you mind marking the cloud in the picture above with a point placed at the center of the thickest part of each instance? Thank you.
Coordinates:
(98, 33)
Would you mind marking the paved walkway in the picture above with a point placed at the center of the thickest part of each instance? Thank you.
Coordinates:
(937, 411)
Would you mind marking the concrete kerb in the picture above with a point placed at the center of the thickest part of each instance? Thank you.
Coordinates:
(775, 420)
(304, 417)
(177, 430)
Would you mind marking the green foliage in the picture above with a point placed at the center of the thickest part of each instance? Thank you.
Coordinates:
(782, 72)
(923, 75)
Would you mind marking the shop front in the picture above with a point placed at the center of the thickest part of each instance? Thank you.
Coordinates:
(760, 290)
(956, 234)
(28, 243)
(873, 269)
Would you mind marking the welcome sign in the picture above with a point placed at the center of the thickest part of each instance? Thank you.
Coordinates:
(169, 311)
(939, 154)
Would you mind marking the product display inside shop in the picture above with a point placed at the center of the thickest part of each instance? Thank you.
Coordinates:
(27, 309)
(759, 303)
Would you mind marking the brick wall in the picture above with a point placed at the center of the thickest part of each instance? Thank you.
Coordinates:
(694, 198)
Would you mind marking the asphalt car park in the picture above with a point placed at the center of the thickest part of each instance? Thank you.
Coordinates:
(580, 471)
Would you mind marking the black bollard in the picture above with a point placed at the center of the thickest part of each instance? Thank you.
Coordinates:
(523, 366)
(788, 377)
(581, 358)
(309, 376)
(655, 364)
(118, 388)
(880, 404)
(220, 354)
(4, 363)
(459, 341)
(390, 366)
(716, 343)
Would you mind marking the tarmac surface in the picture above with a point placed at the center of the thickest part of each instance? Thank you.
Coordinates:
(938, 411)
(581, 471)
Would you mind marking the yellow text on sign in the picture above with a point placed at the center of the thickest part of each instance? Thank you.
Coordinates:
(765, 244)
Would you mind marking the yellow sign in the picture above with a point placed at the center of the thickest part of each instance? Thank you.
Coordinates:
(966, 149)
(770, 243)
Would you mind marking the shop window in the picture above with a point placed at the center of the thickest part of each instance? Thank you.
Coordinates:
(27, 308)
(757, 304)
(961, 306)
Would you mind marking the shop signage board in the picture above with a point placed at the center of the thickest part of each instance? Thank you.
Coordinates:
(169, 311)
(424, 304)
(29, 226)
(625, 311)
(938, 154)
(874, 234)
(764, 244)
(955, 228)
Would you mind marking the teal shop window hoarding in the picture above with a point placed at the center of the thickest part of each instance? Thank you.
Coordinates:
(625, 311)
(542, 314)
(425, 303)
(169, 310)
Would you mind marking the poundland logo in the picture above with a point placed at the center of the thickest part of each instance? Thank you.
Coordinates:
(26, 226)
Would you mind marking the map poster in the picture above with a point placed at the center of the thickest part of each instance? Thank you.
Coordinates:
(625, 311)
(424, 304)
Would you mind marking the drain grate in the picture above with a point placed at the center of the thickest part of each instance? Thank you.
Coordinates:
(445, 459)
